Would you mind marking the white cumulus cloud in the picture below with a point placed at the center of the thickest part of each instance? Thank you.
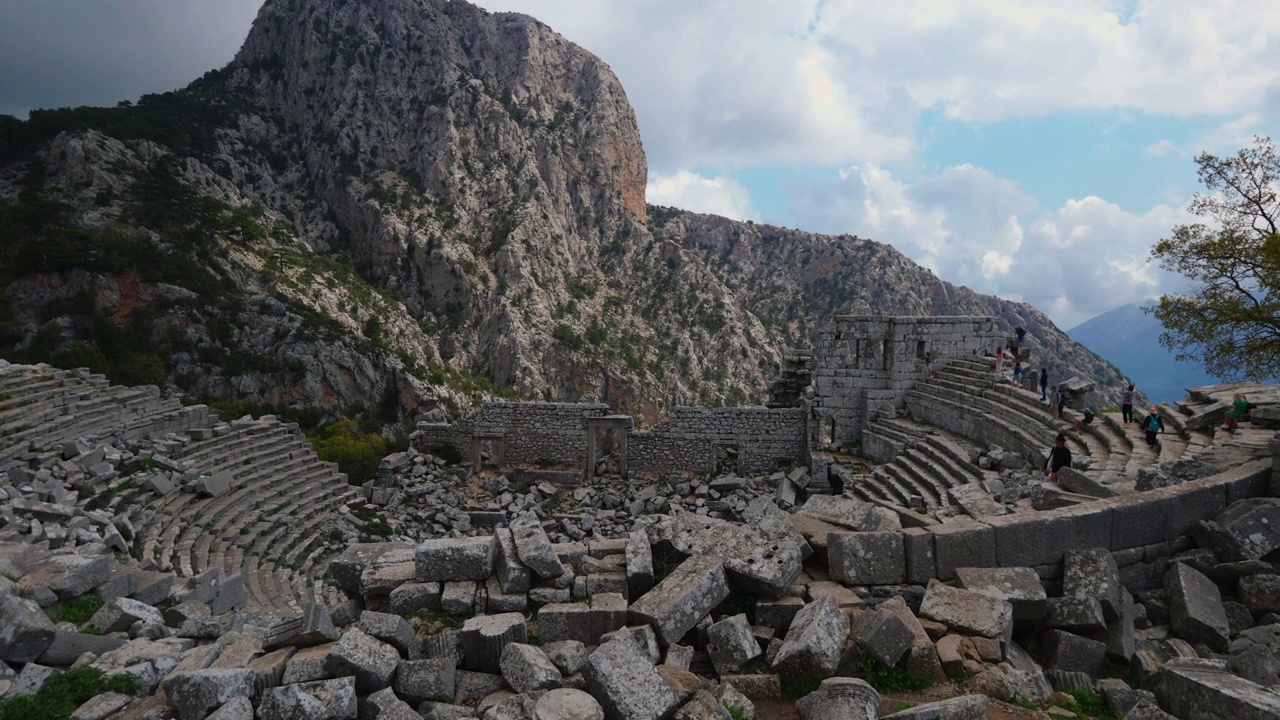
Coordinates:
(691, 191)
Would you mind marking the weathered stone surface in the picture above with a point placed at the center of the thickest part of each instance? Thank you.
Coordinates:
(195, 693)
(731, 644)
(451, 559)
(683, 598)
(567, 655)
(431, 679)
(484, 637)
(1248, 529)
(1072, 653)
(1119, 697)
(31, 679)
(855, 515)
(384, 705)
(567, 704)
(752, 563)
(120, 614)
(67, 646)
(628, 687)
(840, 698)
(1092, 573)
(1261, 593)
(814, 643)
(777, 614)
(1020, 587)
(867, 558)
(25, 631)
(458, 598)
(348, 567)
(701, 706)
(313, 627)
(333, 699)
(923, 657)
(1200, 690)
(371, 661)
(393, 630)
(965, 707)
(103, 706)
(773, 524)
(566, 621)
(639, 564)
(513, 575)
(527, 668)
(968, 610)
(1079, 614)
(1147, 710)
(535, 551)
(409, 598)
(885, 637)
(1195, 607)
(1119, 635)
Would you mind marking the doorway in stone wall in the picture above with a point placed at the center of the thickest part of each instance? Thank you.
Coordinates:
(826, 432)
(726, 458)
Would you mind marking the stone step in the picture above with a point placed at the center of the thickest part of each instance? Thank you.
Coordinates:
(924, 475)
(978, 419)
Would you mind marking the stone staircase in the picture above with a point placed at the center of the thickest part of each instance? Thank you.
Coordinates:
(922, 469)
(267, 522)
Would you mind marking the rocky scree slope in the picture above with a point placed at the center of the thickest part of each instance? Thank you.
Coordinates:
(402, 205)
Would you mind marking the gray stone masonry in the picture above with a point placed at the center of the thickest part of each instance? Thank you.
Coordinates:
(621, 677)
(512, 574)
(384, 705)
(194, 694)
(1195, 607)
(371, 661)
(535, 551)
(450, 559)
(567, 704)
(568, 655)
(639, 555)
(1078, 614)
(731, 644)
(393, 630)
(1072, 653)
(968, 611)
(1092, 573)
(319, 700)
(421, 680)
(1201, 690)
(885, 637)
(527, 668)
(1020, 587)
(813, 645)
(25, 631)
(683, 598)
(841, 698)
(348, 567)
(121, 613)
(867, 558)
(752, 563)
(483, 638)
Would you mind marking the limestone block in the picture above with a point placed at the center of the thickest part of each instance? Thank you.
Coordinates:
(484, 637)
(69, 575)
(458, 598)
(231, 594)
(752, 563)
(451, 559)
(313, 627)
(683, 598)
(347, 568)
(731, 644)
(567, 655)
(1078, 614)
(393, 630)
(306, 665)
(421, 680)
(384, 705)
(840, 698)
(1072, 653)
(702, 705)
(120, 614)
(1119, 635)
(31, 680)
(25, 631)
(471, 687)
(964, 707)
(535, 551)
(777, 614)
(567, 704)
(1092, 573)
(923, 657)
(565, 621)
(867, 558)
(527, 668)
(195, 693)
(1020, 587)
(1197, 690)
(850, 513)
(813, 645)
(626, 684)
(513, 575)
(409, 598)
(639, 564)
(1195, 608)
(107, 704)
(68, 645)
(845, 597)
(885, 637)
(772, 524)
(969, 611)
(319, 700)
(371, 661)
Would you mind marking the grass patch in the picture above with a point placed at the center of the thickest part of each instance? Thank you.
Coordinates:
(886, 679)
(795, 689)
(63, 693)
(77, 610)
(1088, 703)
(374, 523)
(736, 712)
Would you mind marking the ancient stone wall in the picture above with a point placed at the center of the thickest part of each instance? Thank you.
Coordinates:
(539, 433)
(754, 439)
(864, 365)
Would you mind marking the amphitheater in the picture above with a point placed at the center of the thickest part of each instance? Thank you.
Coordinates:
(892, 481)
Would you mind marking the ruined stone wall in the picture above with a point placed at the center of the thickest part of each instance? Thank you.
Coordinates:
(539, 432)
(763, 438)
(864, 365)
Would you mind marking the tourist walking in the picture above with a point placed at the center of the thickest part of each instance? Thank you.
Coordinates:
(1152, 425)
(1022, 336)
(1044, 384)
(1017, 372)
(1055, 403)
(999, 359)
(1239, 410)
(1059, 457)
(1126, 404)
(928, 363)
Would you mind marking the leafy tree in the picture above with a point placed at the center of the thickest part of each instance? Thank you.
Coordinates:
(1230, 320)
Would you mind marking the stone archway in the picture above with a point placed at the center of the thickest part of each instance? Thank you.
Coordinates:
(607, 444)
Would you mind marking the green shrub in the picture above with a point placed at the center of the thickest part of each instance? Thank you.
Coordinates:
(63, 693)
(736, 712)
(888, 679)
(357, 454)
(77, 610)
(565, 335)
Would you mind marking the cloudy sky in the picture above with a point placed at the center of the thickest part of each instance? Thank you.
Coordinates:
(1034, 149)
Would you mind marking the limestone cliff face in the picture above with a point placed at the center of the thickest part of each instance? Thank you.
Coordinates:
(407, 204)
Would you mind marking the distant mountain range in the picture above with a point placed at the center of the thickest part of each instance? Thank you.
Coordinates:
(1130, 339)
